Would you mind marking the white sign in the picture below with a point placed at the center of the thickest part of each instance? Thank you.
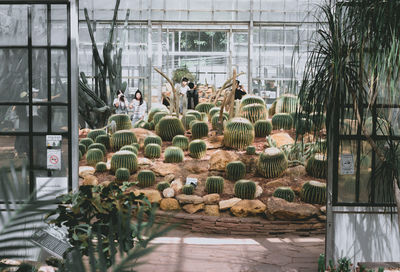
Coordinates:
(53, 140)
(54, 159)
(191, 181)
(346, 164)
(50, 187)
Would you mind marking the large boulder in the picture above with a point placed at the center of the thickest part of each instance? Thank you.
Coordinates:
(169, 204)
(164, 169)
(86, 170)
(211, 199)
(220, 158)
(212, 210)
(248, 207)
(90, 180)
(282, 138)
(141, 134)
(284, 210)
(259, 191)
(189, 199)
(229, 203)
(176, 185)
(152, 195)
(215, 142)
(193, 208)
(144, 161)
(296, 171)
(196, 166)
(168, 192)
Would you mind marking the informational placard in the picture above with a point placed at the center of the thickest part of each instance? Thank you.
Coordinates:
(191, 181)
(50, 187)
(53, 141)
(51, 239)
(346, 164)
(54, 159)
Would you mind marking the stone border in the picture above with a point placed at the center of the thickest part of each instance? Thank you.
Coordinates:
(246, 226)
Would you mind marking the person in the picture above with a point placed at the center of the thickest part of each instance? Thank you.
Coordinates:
(182, 92)
(139, 107)
(239, 92)
(192, 96)
(165, 98)
(121, 103)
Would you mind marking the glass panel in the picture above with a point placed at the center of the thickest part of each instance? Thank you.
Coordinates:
(59, 25)
(40, 158)
(59, 76)
(39, 74)
(365, 171)
(391, 115)
(347, 182)
(14, 118)
(13, 25)
(39, 116)
(59, 119)
(39, 25)
(383, 182)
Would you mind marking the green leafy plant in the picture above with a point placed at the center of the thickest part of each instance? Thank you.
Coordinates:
(214, 184)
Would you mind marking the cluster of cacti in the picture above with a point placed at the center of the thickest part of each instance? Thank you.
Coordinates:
(313, 192)
(181, 141)
(154, 111)
(146, 178)
(262, 128)
(214, 184)
(286, 103)
(317, 166)
(215, 120)
(238, 133)
(158, 116)
(86, 142)
(153, 139)
(173, 154)
(144, 124)
(122, 121)
(122, 174)
(285, 193)
(213, 111)
(251, 99)
(245, 189)
(254, 112)
(302, 125)
(99, 146)
(161, 186)
(152, 126)
(195, 113)
(152, 151)
(204, 107)
(271, 110)
(187, 119)
(103, 139)
(235, 170)
(282, 121)
(129, 148)
(124, 159)
(93, 156)
(197, 149)
(121, 138)
(101, 167)
(204, 117)
(251, 150)
(187, 189)
(96, 132)
(272, 163)
(82, 148)
(199, 129)
(168, 127)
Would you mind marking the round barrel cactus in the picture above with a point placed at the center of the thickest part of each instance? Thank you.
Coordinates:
(199, 129)
(186, 119)
(168, 127)
(103, 139)
(213, 111)
(93, 156)
(251, 99)
(121, 138)
(214, 185)
(272, 163)
(245, 189)
(215, 120)
(86, 142)
(153, 140)
(251, 150)
(204, 107)
(282, 120)
(152, 151)
(99, 146)
(187, 189)
(285, 193)
(235, 170)
(181, 141)
(286, 103)
(238, 133)
(262, 128)
(161, 186)
(158, 116)
(254, 112)
(195, 113)
(317, 166)
(123, 121)
(313, 192)
(82, 148)
(136, 145)
(122, 174)
(130, 148)
(101, 167)
(197, 149)
(154, 111)
(96, 132)
(146, 178)
(124, 159)
(173, 154)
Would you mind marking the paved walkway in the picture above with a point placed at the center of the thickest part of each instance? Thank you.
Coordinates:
(184, 251)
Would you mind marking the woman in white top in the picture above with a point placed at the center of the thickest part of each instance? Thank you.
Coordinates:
(121, 103)
(139, 107)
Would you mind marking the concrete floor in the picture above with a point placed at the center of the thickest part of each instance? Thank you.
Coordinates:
(183, 251)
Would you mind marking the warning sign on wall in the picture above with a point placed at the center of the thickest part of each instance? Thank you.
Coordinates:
(346, 164)
(54, 159)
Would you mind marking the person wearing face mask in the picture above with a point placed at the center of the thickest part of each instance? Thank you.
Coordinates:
(121, 103)
(139, 107)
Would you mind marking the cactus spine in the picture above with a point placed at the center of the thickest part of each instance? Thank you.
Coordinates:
(152, 140)
(86, 142)
(254, 112)
(103, 139)
(121, 138)
(96, 132)
(99, 146)
(251, 150)
(122, 121)
(101, 167)
(161, 186)
(282, 121)
(317, 166)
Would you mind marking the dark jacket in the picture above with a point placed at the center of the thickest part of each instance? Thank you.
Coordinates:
(239, 93)
(193, 99)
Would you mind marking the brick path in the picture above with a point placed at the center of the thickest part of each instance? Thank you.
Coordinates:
(183, 251)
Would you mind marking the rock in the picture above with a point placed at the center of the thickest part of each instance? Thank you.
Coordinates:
(250, 161)
(226, 204)
(189, 199)
(248, 207)
(282, 209)
(296, 171)
(259, 191)
(196, 166)
(168, 178)
(212, 210)
(152, 195)
(144, 161)
(278, 183)
(323, 209)
(322, 217)
(220, 158)
(215, 142)
(176, 185)
(211, 199)
(86, 170)
(168, 192)
(169, 204)
(163, 169)
(192, 208)
(282, 139)
(90, 180)
(105, 183)
(46, 268)
(141, 134)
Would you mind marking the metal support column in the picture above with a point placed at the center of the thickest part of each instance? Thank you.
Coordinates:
(250, 50)
(149, 55)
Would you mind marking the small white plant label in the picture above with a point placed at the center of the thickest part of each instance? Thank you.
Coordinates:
(191, 181)
(346, 164)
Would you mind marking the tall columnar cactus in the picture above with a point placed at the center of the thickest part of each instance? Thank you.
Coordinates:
(286, 103)
(271, 110)
(262, 128)
(235, 170)
(214, 184)
(168, 127)
(173, 154)
(313, 192)
(86, 142)
(121, 138)
(122, 174)
(204, 107)
(285, 193)
(153, 140)
(317, 166)
(199, 130)
(213, 111)
(245, 189)
(152, 151)
(238, 133)
(124, 159)
(146, 178)
(251, 150)
(195, 113)
(197, 149)
(99, 146)
(251, 99)
(161, 186)
(93, 156)
(96, 132)
(130, 148)
(103, 139)
(187, 189)
(282, 120)
(272, 163)
(101, 167)
(186, 119)
(215, 120)
(254, 112)
(122, 121)
(158, 116)
(82, 148)
(181, 141)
